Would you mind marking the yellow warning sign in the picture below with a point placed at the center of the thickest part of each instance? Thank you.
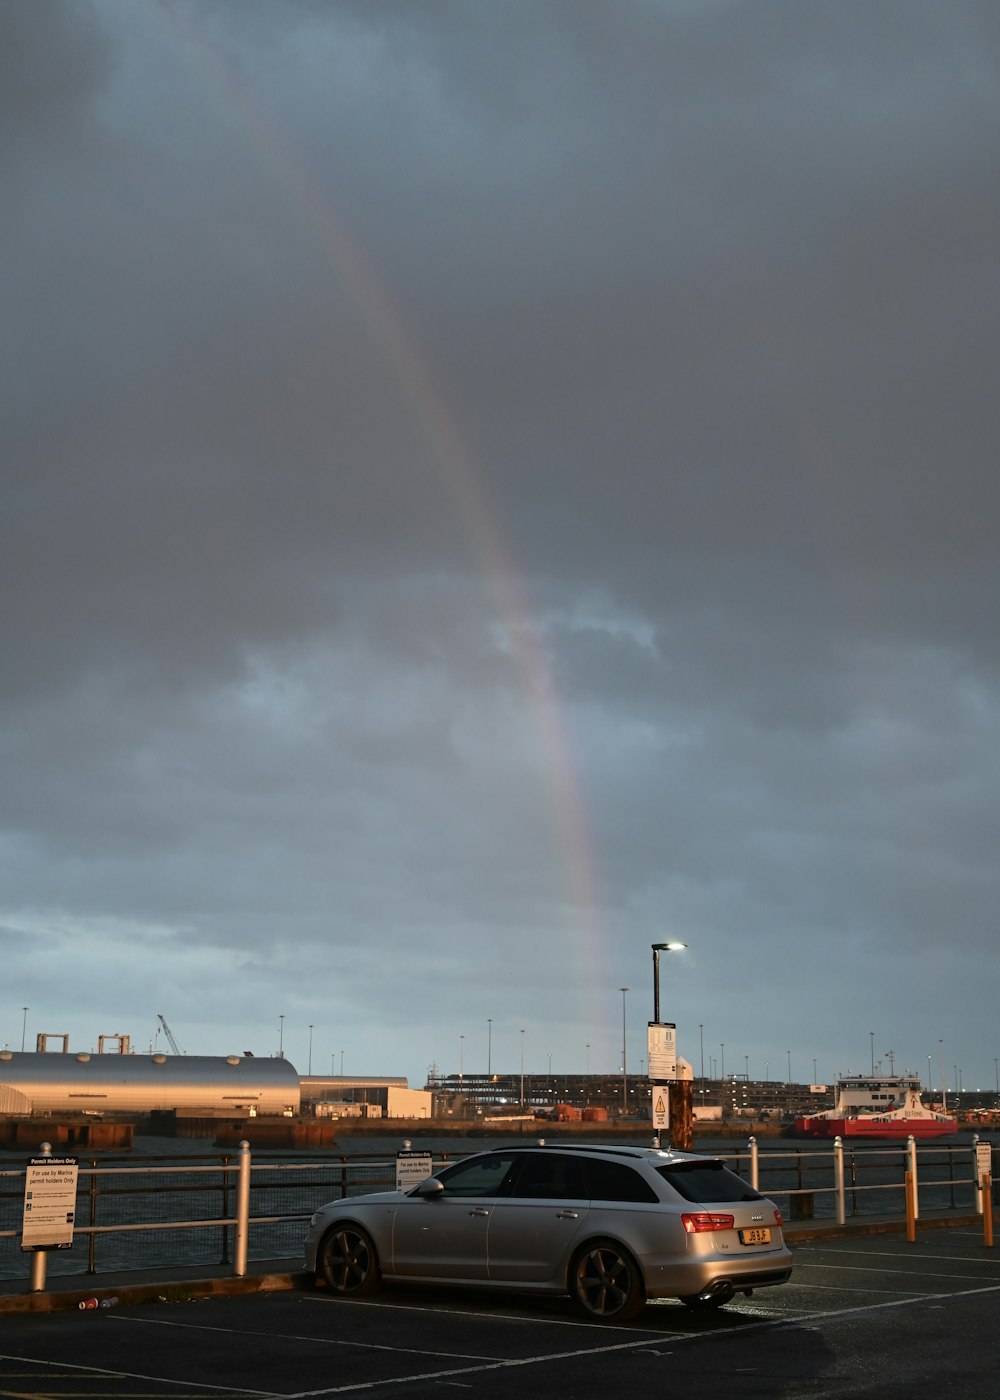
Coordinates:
(661, 1106)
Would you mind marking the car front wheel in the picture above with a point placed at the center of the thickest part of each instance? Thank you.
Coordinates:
(349, 1262)
(606, 1283)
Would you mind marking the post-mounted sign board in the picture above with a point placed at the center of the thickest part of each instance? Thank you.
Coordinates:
(49, 1203)
(412, 1168)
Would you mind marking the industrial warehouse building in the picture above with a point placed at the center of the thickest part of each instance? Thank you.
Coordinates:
(191, 1086)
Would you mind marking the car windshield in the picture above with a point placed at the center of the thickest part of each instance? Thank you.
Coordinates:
(707, 1182)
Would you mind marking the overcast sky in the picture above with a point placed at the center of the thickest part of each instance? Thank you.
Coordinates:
(488, 486)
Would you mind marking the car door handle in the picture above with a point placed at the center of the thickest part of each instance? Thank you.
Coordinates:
(567, 1215)
(480, 1210)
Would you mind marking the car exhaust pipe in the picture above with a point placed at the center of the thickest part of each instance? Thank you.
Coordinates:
(719, 1292)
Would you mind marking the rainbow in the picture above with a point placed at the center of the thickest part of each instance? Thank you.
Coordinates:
(463, 485)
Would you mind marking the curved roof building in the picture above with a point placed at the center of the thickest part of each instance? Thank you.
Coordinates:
(192, 1085)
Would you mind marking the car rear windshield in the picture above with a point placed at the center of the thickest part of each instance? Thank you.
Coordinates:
(707, 1182)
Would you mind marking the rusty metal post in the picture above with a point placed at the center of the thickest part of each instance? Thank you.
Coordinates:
(987, 1188)
(911, 1208)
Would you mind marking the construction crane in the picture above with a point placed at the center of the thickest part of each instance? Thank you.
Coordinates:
(169, 1034)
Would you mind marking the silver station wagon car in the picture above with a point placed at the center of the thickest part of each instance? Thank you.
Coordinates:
(610, 1226)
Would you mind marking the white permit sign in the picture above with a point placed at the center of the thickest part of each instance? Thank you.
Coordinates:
(49, 1203)
(412, 1168)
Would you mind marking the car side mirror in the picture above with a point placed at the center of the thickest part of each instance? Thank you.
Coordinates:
(430, 1187)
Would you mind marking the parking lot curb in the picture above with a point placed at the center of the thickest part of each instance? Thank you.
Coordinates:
(799, 1233)
(176, 1291)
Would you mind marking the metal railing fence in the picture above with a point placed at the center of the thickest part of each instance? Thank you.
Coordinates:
(851, 1181)
(165, 1212)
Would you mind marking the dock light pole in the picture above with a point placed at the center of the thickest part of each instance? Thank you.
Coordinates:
(310, 1070)
(489, 1046)
(674, 946)
(281, 1035)
(24, 1024)
(461, 1058)
(522, 1066)
(624, 991)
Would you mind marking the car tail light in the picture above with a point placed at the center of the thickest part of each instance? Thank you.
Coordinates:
(697, 1222)
(777, 1217)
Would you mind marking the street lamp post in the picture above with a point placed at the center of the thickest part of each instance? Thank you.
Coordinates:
(658, 948)
(281, 1035)
(461, 1058)
(24, 1024)
(310, 1069)
(489, 1046)
(522, 1066)
(624, 991)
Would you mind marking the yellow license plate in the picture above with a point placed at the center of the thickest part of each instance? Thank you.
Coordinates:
(759, 1235)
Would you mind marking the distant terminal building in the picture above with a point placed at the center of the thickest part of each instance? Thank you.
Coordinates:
(332, 1096)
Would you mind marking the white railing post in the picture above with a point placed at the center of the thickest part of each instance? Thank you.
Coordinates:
(838, 1179)
(241, 1235)
(40, 1258)
(754, 1165)
(911, 1167)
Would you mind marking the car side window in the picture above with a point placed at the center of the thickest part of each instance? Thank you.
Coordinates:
(547, 1176)
(614, 1181)
(479, 1176)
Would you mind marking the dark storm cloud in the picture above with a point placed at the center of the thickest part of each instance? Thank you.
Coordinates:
(351, 350)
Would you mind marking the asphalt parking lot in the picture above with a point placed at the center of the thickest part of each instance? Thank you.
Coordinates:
(869, 1315)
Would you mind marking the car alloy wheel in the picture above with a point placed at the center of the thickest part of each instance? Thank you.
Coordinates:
(350, 1265)
(606, 1283)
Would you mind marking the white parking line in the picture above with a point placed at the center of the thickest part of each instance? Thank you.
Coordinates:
(907, 1273)
(635, 1346)
(295, 1337)
(130, 1376)
(889, 1254)
(467, 1312)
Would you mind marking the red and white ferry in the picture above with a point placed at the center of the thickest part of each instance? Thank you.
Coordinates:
(871, 1106)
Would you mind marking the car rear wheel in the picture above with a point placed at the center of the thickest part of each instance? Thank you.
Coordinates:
(606, 1283)
(348, 1261)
